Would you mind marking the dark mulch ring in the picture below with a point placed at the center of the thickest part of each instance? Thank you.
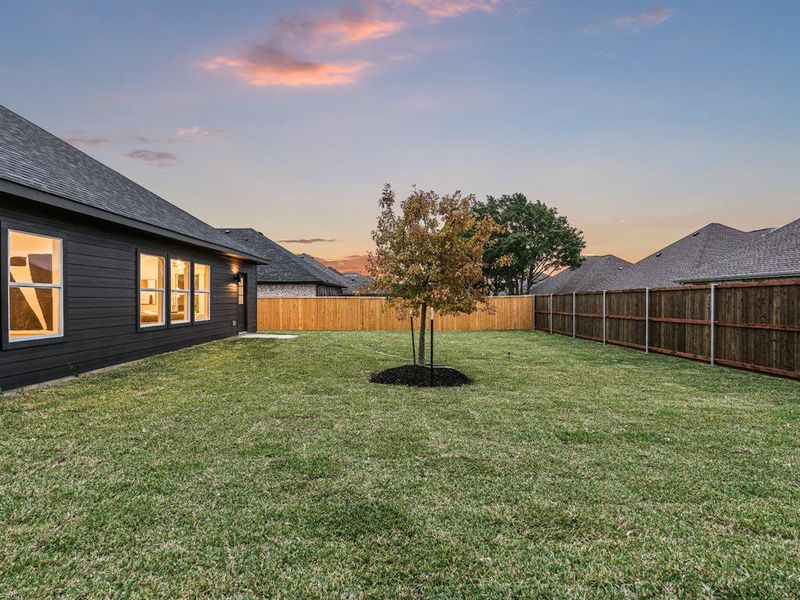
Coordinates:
(419, 376)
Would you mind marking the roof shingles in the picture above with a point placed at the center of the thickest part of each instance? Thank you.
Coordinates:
(667, 266)
(283, 266)
(589, 277)
(36, 159)
(770, 253)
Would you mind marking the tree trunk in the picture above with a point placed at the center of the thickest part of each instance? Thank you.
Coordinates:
(423, 319)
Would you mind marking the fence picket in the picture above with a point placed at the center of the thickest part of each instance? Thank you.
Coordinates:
(752, 325)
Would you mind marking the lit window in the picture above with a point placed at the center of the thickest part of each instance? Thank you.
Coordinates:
(202, 292)
(35, 288)
(151, 290)
(179, 291)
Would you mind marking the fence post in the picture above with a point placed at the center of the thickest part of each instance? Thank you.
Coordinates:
(534, 312)
(646, 320)
(713, 319)
(604, 317)
(551, 313)
(573, 315)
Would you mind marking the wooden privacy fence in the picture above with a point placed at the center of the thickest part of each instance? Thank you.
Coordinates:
(754, 325)
(371, 314)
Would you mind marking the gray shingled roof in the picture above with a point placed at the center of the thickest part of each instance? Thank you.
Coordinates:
(329, 275)
(682, 258)
(36, 159)
(283, 266)
(773, 253)
(357, 281)
(591, 276)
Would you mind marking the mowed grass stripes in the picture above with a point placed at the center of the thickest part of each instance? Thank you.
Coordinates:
(258, 467)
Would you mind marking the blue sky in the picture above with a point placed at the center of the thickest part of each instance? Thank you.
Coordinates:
(640, 121)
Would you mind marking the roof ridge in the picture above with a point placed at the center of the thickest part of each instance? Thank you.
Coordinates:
(101, 164)
(56, 153)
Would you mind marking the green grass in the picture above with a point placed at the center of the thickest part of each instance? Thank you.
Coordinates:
(273, 468)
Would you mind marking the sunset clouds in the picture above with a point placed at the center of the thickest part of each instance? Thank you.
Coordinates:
(306, 240)
(293, 53)
(156, 159)
(83, 141)
(643, 20)
(633, 22)
(347, 27)
(262, 65)
(444, 9)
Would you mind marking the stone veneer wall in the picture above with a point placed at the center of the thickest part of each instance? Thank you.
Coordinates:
(292, 290)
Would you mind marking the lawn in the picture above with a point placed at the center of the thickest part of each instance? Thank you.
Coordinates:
(254, 467)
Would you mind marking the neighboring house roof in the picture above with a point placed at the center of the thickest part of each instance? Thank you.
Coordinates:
(37, 165)
(283, 265)
(331, 276)
(591, 276)
(357, 282)
(682, 258)
(772, 254)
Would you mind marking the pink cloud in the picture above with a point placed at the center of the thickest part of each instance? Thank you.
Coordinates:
(156, 159)
(444, 9)
(643, 20)
(91, 142)
(263, 65)
(348, 27)
(285, 58)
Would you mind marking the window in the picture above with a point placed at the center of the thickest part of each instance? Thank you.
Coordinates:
(179, 273)
(202, 292)
(35, 286)
(151, 290)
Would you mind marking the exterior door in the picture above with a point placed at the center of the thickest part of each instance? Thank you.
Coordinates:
(241, 321)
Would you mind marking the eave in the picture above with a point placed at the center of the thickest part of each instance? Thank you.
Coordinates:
(23, 191)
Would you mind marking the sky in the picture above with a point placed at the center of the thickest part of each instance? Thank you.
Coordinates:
(639, 121)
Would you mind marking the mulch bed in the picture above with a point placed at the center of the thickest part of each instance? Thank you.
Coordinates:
(419, 376)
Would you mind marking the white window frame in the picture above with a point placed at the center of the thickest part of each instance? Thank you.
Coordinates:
(196, 292)
(51, 286)
(187, 291)
(142, 290)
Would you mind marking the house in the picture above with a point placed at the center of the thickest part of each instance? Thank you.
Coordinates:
(358, 284)
(665, 267)
(95, 270)
(590, 276)
(354, 282)
(286, 274)
(773, 254)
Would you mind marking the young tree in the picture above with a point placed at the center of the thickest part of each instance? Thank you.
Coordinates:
(532, 240)
(429, 255)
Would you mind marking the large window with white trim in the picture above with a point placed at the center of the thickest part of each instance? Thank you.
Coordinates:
(202, 292)
(180, 293)
(151, 290)
(35, 286)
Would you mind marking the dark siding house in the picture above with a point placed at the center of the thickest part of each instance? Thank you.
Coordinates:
(95, 270)
(286, 274)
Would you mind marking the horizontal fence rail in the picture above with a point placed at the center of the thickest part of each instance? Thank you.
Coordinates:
(752, 325)
(347, 313)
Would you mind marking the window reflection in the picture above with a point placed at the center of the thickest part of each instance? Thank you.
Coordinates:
(151, 290)
(202, 292)
(34, 286)
(179, 287)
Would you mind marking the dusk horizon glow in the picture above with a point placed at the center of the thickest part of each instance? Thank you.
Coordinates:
(641, 122)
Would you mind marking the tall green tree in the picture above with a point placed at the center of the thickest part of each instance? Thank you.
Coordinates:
(429, 254)
(531, 241)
